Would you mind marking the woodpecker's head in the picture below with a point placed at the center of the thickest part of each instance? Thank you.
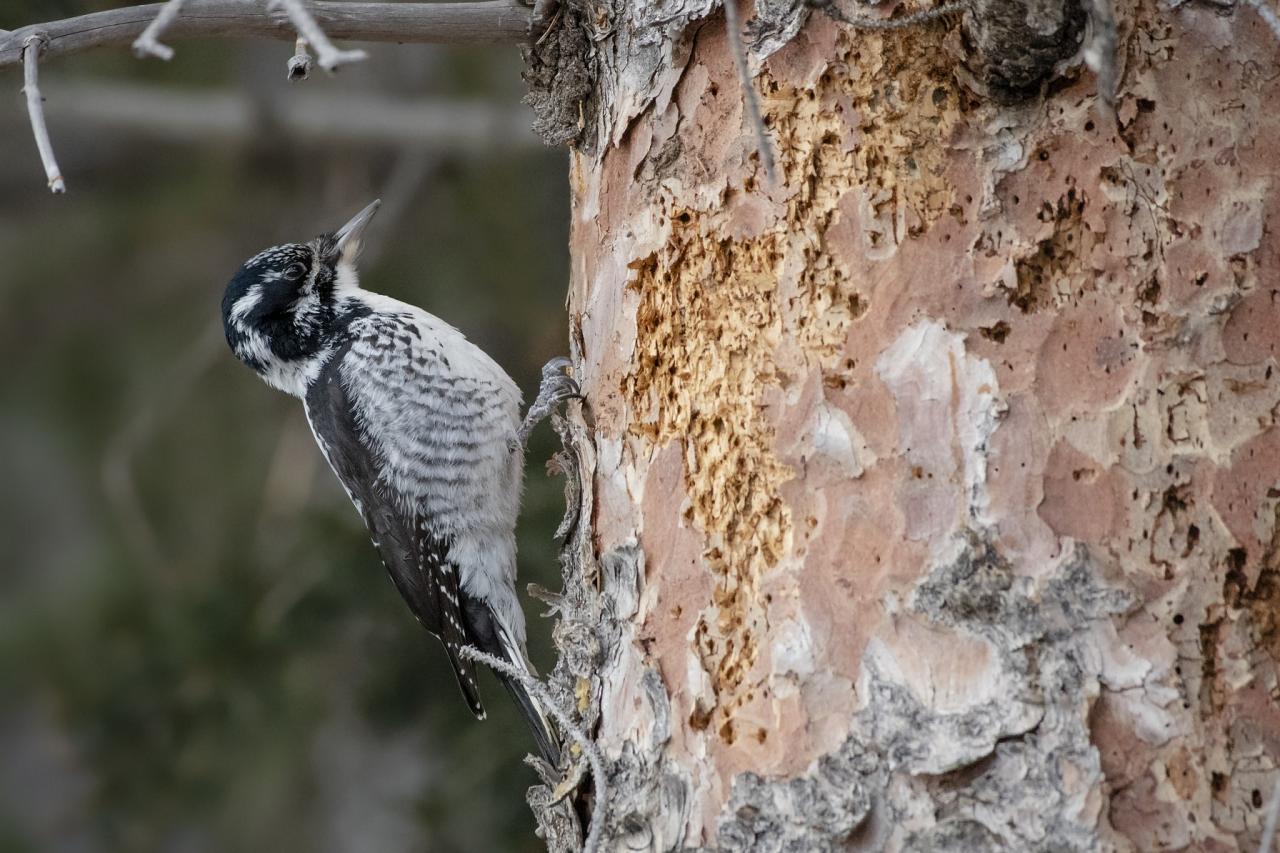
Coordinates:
(278, 309)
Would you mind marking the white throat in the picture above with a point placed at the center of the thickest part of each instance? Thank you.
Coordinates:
(295, 377)
(292, 377)
(346, 280)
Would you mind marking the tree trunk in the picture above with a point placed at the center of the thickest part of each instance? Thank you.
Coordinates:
(931, 491)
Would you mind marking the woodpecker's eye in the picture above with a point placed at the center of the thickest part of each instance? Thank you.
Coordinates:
(295, 272)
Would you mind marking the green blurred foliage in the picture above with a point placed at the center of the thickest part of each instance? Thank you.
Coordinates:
(198, 647)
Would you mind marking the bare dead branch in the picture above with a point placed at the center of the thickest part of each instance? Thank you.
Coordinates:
(148, 44)
(906, 21)
(35, 109)
(601, 806)
(748, 87)
(328, 56)
(487, 22)
(299, 67)
(1267, 14)
(442, 125)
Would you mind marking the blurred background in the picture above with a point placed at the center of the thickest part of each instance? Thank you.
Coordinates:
(199, 650)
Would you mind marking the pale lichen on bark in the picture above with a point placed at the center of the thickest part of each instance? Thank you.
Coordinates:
(913, 776)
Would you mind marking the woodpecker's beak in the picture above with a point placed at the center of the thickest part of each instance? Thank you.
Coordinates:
(348, 237)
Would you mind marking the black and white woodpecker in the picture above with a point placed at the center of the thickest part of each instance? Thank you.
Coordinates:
(422, 428)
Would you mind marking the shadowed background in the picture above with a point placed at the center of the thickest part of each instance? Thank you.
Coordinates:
(199, 650)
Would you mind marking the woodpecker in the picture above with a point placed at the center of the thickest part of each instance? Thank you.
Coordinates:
(421, 427)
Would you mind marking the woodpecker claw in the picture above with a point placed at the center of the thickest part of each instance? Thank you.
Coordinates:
(556, 387)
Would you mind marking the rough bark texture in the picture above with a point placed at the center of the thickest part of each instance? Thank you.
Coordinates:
(932, 494)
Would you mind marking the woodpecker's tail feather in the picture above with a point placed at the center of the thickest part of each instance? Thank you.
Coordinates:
(466, 680)
(532, 710)
(490, 634)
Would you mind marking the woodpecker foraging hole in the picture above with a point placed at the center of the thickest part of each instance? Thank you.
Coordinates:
(421, 427)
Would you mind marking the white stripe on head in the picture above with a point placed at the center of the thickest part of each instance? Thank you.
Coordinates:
(246, 303)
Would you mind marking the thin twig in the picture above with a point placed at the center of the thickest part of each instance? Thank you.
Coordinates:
(482, 22)
(327, 55)
(299, 67)
(601, 807)
(748, 86)
(1267, 14)
(925, 17)
(148, 44)
(35, 109)
(1273, 818)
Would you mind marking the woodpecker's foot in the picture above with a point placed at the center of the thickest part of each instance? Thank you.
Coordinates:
(557, 386)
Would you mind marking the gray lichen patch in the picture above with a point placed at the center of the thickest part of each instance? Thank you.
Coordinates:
(910, 777)
(586, 633)
(977, 591)
(815, 812)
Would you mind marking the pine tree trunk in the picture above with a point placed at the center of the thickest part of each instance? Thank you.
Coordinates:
(933, 487)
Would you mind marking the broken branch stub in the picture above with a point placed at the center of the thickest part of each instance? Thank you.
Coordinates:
(329, 57)
(35, 110)
(148, 44)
